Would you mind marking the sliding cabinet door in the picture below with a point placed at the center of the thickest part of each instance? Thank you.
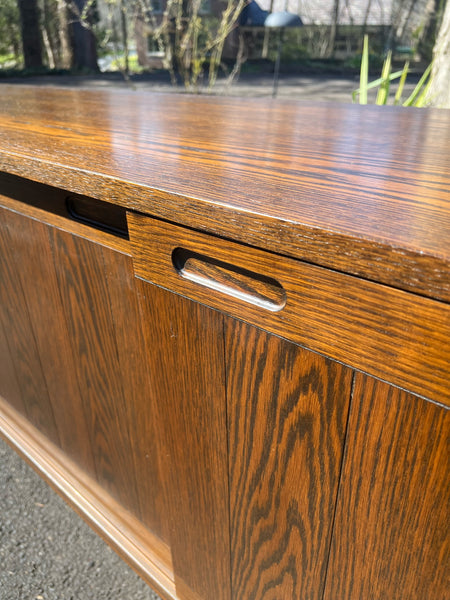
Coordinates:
(72, 343)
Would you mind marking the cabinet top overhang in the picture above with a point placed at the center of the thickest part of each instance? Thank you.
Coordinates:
(365, 190)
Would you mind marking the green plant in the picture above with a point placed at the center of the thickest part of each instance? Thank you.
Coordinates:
(417, 98)
(118, 63)
(10, 39)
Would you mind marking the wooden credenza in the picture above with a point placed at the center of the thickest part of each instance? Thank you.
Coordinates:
(224, 336)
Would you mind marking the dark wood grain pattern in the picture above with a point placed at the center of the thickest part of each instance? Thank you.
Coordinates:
(287, 413)
(386, 332)
(85, 297)
(20, 337)
(391, 537)
(316, 182)
(185, 341)
(36, 274)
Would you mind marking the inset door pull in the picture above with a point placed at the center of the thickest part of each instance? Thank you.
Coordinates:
(229, 279)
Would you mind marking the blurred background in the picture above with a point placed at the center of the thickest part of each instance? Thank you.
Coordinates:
(195, 43)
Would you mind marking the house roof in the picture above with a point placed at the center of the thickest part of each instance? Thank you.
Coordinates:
(321, 11)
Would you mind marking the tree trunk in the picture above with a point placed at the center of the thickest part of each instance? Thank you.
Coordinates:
(31, 35)
(439, 94)
(84, 49)
(140, 36)
(65, 58)
(334, 27)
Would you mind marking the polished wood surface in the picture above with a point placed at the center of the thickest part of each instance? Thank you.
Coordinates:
(350, 320)
(359, 189)
(287, 415)
(391, 536)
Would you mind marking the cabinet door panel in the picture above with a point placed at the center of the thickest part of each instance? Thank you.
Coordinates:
(345, 318)
(20, 337)
(287, 414)
(185, 343)
(392, 522)
(70, 314)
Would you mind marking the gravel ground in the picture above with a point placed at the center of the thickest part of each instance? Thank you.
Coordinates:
(47, 552)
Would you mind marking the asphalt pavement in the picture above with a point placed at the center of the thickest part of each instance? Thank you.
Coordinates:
(47, 552)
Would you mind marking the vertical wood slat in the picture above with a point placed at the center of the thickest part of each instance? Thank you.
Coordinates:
(18, 330)
(86, 304)
(32, 248)
(287, 417)
(185, 342)
(392, 520)
(135, 367)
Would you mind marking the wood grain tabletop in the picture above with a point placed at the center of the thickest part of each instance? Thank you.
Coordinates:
(365, 190)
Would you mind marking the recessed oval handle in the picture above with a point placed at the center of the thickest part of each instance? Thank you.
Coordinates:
(229, 279)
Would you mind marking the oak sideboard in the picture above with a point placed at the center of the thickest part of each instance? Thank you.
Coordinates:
(225, 335)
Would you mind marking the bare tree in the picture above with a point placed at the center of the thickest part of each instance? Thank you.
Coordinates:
(429, 28)
(191, 42)
(124, 34)
(55, 33)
